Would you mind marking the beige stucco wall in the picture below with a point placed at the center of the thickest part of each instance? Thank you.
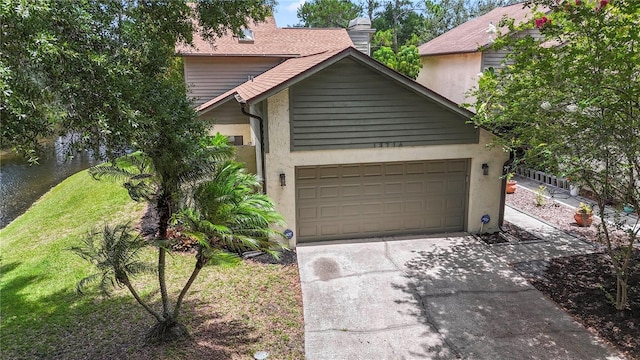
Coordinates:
(484, 190)
(243, 130)
(451, 75)
(246, 154)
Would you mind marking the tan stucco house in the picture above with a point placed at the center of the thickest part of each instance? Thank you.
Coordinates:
(346, 147)
(452, 62)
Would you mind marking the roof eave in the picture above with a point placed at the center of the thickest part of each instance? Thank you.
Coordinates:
(206, 107)
(479, 49)
(237, 55)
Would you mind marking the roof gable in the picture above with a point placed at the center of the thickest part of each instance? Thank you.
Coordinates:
(295, 70)
(473, 34)
(348, 106)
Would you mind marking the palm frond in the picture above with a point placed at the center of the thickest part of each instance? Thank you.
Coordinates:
(141, 177)
(115, 253)
(230, 210)
(138, 190)
(83, 283)
(223, 258)
(110, 171)
(137, 268)
(134, 170)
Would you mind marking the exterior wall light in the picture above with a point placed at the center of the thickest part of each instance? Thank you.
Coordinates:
(283, 179)
(485, 169)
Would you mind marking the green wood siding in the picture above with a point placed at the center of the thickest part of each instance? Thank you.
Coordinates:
(350, 106)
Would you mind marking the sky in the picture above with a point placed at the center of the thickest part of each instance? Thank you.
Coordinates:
(286, 12)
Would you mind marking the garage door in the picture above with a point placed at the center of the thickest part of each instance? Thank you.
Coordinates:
(378, 199)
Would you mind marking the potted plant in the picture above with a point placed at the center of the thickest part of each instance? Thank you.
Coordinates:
(583, 215)
(628, 209)
(511, 184)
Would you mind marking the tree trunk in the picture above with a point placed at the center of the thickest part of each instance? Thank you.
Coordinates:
(396, 15)
(621, 292)
(164, 212)
(133, 292)
(202, 261)
(167, 330)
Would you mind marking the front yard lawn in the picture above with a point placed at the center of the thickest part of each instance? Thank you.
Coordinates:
(231, 313)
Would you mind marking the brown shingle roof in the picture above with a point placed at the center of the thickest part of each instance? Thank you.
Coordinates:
(473, 34)
(269, 40)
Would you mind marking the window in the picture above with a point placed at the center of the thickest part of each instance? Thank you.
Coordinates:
(235, 140)
(247, 36)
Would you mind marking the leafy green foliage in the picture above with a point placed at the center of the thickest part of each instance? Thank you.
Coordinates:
(569, 102)
(540, 192)
(402, 19)
(39, 276)
(232, 213)
(136, 172)
(105, 71)
(406, 61)
(328, 13)
(383, 38)
(229, 216)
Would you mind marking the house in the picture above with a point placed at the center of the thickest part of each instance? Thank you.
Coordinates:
(346, 147)
(452, 61)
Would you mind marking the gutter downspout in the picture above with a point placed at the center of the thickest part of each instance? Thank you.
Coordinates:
(260, 121)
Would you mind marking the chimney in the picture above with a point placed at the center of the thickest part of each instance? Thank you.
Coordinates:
(360, 32)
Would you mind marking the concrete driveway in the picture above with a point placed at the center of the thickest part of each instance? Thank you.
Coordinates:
(429, 298)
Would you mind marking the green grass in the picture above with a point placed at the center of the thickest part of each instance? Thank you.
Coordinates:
(230, 312)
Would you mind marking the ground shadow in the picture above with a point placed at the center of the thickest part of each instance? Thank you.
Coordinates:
(481, 308)
(583, 285)
(65, 325)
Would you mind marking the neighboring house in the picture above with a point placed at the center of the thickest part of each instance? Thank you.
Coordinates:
(346, 147)
(452, 61)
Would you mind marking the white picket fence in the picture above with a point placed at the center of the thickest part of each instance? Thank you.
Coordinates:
(543, 177)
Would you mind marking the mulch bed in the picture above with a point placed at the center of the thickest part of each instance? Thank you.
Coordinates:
(510, 233)
(287, 257)
(582, 285)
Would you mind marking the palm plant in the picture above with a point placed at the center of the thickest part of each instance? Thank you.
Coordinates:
(230, 215)
(223, 208)
(114, 252)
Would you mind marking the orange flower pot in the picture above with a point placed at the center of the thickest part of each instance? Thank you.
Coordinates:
(511, 186)
(583, 220)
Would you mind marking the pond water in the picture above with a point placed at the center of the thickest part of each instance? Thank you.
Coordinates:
(21, 184)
